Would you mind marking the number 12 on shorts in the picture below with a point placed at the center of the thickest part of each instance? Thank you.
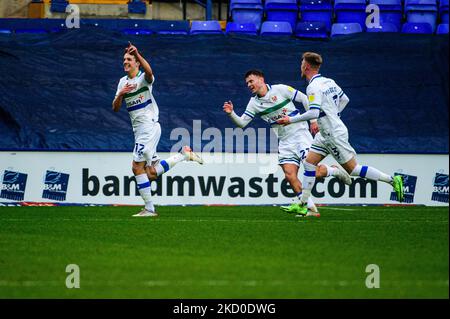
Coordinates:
(138, 149)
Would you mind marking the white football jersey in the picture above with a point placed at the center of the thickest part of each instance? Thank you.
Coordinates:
(324, 94)
(276, 104)
(141, 105)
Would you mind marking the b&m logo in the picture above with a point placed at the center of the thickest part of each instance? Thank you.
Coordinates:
(409, 187)
(440, 188)
(55, 185)
(13, 185)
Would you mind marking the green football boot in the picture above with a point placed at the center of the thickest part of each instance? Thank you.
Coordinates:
(296, 208)
(397, 184)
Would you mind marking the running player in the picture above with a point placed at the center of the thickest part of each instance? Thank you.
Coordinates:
(136, 89)
(326, 101)
(272, 103)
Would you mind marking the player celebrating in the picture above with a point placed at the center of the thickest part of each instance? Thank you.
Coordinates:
(272, 103)
(136, 89)
(326, 101)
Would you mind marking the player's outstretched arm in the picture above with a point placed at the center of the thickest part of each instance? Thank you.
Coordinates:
(311, 114)
(145, 65)
(240, 121)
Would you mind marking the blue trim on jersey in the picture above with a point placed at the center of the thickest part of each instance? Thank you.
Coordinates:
(249, 115)
(139, 106)
(143, 185)
(165, 165)
(363, 171)
(295, 95)
(314, 107)
(294, 113)
(322, 114)
(340, 94)
(314, 77)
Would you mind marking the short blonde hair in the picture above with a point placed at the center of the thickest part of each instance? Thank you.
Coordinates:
(313, 59)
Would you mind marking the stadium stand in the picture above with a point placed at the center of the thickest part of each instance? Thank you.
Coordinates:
(241, 28)
(417, 28)
(391, 11)
(384, 27)
(247, 11)
(443, 11)
(272, 28)
(317, 11)
(350, 11)
(442, 28)
(281, 10)
(312, 30)
(338, 29)
(422, 11)
(206, 27)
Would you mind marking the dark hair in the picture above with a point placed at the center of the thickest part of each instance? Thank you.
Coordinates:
(254, 72)
(313, 59)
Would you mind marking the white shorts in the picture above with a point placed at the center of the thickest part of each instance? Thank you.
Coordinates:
(293, 150)
(145, 144)
(337, 146)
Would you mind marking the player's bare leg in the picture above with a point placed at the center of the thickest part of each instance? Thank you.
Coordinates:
(368, 172)
(291, 175)
(143, 185)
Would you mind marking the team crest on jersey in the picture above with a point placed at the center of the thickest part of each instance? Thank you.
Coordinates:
(311, 98)
(274, 98)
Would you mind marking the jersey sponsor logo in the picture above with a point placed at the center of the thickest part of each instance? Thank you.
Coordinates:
(440, 188)
(55, 185)
(409, 187)
(13, 185)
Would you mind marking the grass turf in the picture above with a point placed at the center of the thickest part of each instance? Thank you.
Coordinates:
(223, 252)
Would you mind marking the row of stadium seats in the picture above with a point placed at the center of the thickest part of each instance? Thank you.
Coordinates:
(134, 6)
(339, 11)
(147, 27)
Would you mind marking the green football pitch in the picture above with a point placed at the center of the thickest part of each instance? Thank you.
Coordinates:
(224, 252)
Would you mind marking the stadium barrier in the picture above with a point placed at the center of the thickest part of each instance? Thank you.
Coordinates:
(224, 179)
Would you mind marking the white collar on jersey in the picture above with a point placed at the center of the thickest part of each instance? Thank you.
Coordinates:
(314, 77)
(139, 73)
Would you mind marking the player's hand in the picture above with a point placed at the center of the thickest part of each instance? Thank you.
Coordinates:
(314, 128)
(131, 49)
(228, 107)
(285, 120)
(127, 88)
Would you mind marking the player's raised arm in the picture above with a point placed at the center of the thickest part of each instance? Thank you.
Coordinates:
(240, 121)
(143, 62)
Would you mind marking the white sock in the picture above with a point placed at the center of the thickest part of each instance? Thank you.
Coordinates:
(371, 173)
(309, 177)
(310, 203)
(330, 170)
(164, 165)
(143, 185)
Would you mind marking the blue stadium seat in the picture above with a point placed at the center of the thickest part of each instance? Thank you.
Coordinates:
(351, 11)
(391, 11)
(58, 5)
(137, 7)
(420, 11)
(282, 10)
(443, 11)
(442, 28)
(180, 27)
(384, 27)
(134, 26)
(313, 30)
(241, 28)
(206, 27)
(317, 10)
(110, 24)
(338, 29)
(247, 11)
(32, 25)
(269, 28)
(417, 28)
